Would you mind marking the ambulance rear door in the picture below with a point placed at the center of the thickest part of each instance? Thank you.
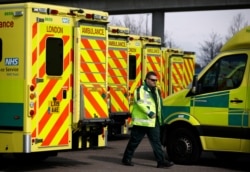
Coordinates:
(172, 71)
(135, 66)
(52, 70)
(135, 62)
(118, 75)
(176, 73)
(93, 72)
(189, 68)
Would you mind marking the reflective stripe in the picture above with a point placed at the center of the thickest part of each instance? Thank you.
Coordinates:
(142, 120)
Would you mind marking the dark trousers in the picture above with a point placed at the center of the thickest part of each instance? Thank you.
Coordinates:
(137, 134)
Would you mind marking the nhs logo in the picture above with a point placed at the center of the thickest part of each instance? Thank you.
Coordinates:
(11, 61)
(65, 20)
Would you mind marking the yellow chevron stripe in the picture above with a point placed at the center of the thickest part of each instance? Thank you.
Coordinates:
(87, 57)
(89, 106)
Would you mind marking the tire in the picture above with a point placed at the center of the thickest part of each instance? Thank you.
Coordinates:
(183, 146)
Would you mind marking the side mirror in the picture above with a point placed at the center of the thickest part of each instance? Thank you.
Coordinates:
(194, 84)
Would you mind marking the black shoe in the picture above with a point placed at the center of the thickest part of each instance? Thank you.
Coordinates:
(127, 162)
(165, 164)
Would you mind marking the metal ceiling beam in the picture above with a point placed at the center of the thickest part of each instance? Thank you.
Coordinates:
(147, 6)
(156, 7)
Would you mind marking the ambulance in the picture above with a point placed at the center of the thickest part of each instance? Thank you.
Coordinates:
(118, 80)
(144, 55)
(53, 75)
(189, 61)
(177, 70)
(213, 113)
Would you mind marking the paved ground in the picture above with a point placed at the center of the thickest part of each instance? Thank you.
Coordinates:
(109, 160)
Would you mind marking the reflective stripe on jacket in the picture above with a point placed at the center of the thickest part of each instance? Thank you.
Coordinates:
(144, 107)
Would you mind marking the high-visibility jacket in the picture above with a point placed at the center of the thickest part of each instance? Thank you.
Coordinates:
(144, 107)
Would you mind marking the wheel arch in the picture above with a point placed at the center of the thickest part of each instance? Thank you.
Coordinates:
(195, 140)
(186, 121)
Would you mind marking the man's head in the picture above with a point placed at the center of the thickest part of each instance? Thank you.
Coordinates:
(151, 79)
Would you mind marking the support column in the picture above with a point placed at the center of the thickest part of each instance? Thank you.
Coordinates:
(158, 25)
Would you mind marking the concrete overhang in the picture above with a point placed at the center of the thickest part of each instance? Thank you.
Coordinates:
(147, 6)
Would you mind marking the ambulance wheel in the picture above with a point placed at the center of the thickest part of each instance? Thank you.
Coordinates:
(183, 146)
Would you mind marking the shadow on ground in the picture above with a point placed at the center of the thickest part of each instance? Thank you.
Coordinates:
(11, 164)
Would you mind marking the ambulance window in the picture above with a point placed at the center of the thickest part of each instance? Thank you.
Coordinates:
(227, 73)
(132, 67)
(54, 56)
(1, 50)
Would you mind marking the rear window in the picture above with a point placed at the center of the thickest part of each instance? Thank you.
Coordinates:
(132, 67)
(54, 56)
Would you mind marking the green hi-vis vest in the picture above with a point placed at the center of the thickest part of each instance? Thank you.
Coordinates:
(144, 106)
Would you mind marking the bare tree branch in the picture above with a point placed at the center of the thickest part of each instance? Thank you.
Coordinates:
(169, 41)
(210, 48)
(237, 24)
(136, 25)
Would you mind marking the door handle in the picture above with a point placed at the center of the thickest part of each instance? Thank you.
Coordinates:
(64, 94)
(236, 101)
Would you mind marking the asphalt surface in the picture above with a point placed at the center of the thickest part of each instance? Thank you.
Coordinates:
(108, 159)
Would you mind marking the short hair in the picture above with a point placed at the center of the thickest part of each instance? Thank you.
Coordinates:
(150, 73)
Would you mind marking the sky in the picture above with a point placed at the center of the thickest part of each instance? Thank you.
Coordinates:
(189, 30)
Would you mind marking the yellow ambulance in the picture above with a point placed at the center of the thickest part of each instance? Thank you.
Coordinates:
(53, 75)
(173, 68)
(144, 55)
(118, 80)
(177, 70)
(213, 113)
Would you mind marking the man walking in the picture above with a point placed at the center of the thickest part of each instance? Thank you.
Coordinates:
(146, 119)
